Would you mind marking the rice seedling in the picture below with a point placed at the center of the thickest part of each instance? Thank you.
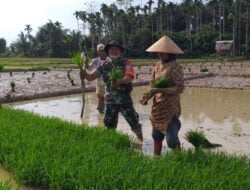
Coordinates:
(162, 82)
(204, 69)
(11, 74)
(199, 140)
(72, 82)
(137, 76)
(54, 154)
(68, 74)
(12, 85)
(44, 73)
(78, 60)
(189, 69)
(117, 73)
(28, 80)
(33, 75)
(4, 186)
(222, 61)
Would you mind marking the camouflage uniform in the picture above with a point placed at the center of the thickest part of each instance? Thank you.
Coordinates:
(118, 99)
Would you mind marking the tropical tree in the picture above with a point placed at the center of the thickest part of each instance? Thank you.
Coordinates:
(2, 45)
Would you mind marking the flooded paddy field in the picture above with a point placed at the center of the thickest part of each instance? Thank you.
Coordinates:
(223, 115)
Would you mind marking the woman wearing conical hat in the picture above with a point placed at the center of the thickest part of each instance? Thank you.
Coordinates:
(166, 101)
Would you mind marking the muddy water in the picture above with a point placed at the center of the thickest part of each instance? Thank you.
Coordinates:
(223, 115)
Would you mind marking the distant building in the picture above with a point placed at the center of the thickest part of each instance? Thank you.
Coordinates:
(224, 47)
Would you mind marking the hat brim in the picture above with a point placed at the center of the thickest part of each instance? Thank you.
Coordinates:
(108, 46)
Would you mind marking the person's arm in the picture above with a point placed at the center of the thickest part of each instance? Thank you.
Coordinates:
(177, 77)
(93, 65)
(128, 74)
(90, 76)
(124, 80)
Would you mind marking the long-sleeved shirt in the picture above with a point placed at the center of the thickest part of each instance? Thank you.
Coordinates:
(165, 106)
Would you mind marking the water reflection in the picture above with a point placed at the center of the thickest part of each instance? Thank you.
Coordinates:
(223, 115)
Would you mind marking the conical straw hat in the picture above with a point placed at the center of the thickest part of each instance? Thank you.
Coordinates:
(165, 45)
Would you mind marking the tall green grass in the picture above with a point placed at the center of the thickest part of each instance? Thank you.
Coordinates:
(51, 153)
(4, 186)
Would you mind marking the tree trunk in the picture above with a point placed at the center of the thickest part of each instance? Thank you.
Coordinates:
(223, 12)
(220, 21)
(240, 27)
(213, 19)
(196, 20)
(247, 20)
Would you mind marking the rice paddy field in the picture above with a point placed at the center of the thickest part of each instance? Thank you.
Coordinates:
(54, 154)
(19, 63)
(4, 186)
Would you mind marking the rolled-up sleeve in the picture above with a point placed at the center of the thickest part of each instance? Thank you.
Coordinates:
(129, 69)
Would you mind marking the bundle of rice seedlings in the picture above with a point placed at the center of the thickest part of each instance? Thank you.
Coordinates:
(199, 140)
(204, 69)
(162, 82)
(78, 59)
(117, 73)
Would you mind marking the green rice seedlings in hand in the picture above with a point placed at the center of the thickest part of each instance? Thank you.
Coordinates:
(162, 82)
(199, 140)
(117, 73)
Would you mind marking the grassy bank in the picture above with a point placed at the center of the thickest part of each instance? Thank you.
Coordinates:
(51, 153)
(51, 63)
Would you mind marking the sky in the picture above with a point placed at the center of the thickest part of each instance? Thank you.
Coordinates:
(15, 14)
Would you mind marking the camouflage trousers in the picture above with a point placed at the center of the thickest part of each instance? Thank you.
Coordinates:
(128, 112)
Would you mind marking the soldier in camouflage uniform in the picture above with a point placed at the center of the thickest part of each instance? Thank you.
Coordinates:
(117, 99)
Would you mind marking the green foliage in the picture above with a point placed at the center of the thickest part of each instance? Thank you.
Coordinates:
(4, 186)
(162, 82)
(204, 69)
(2, 45)
(117, 73)
(72, 82)
(54, 154)
(198, 140)
(12, 85)
(1, 67)
(78, 59)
